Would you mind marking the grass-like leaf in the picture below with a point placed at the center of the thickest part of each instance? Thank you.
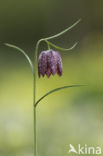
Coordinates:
(57, 89)
(57, 35)
(62, 32)
(23, 52)
(60, 48)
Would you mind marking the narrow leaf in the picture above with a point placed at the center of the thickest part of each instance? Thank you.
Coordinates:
(60, 48)
(23, 52)
(64, 31)
(57, 89)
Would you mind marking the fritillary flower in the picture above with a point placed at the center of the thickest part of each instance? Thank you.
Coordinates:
(49, 63)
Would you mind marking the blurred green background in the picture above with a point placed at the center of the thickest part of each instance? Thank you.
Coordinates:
(74, 115)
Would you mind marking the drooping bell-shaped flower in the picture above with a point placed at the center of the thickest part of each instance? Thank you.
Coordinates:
(49, 62)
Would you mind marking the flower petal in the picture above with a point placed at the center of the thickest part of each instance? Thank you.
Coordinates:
(42, 64)
(59, 64)
(49, 62)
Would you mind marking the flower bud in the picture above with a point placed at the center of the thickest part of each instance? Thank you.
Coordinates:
(49, 62)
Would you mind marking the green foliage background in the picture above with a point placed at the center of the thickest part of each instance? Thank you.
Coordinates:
(74, 115)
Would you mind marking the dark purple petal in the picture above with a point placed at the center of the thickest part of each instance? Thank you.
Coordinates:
(59, 64)
(39, 66)
(42, 64)
(54, 63)
(48, 72)
(49, 62)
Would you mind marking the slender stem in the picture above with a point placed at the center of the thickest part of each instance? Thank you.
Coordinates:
(34, 109)
(34, 95)
(34, 112)
(47, 44)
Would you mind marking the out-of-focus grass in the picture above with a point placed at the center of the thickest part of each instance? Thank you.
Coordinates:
(70, 116)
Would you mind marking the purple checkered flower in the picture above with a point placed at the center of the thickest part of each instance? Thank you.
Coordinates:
(49, 62)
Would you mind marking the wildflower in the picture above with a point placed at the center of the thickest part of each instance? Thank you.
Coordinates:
(49, 62)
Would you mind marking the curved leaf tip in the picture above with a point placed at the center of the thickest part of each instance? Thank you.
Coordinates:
(23, 52)
(57, 89)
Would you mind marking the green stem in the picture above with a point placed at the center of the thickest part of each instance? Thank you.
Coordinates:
(34, 111)
(34, 95)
